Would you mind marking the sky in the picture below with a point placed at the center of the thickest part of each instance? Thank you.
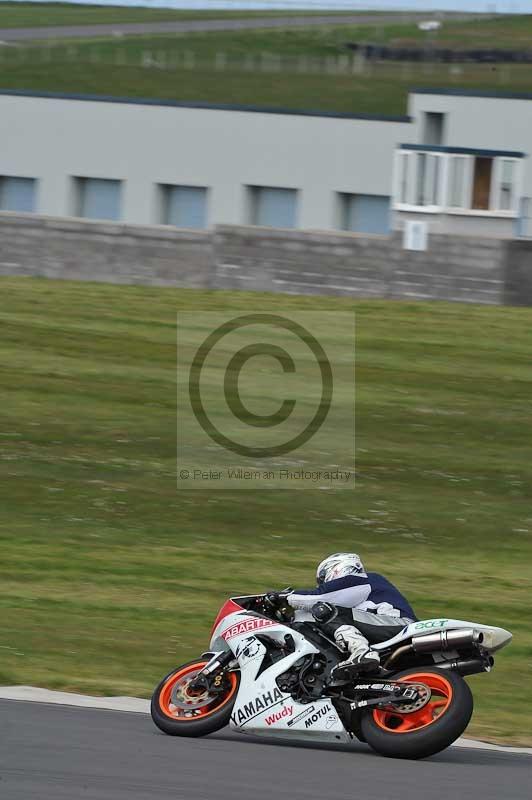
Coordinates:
(503, 6)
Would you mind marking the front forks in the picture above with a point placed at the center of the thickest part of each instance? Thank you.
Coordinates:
(211, 677)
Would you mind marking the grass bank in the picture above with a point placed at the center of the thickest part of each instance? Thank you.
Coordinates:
(109, 576)
(292, 68)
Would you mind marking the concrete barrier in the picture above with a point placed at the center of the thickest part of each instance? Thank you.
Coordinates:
(76, 249)
(518, 274)
(455, 268)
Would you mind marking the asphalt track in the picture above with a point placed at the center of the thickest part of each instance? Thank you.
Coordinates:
(189, 26)
(63, 753)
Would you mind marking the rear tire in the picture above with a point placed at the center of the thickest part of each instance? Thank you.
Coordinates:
(211, 716)
(424, 732)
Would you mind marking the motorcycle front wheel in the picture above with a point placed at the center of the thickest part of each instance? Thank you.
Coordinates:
(429, 730)
(177, 710)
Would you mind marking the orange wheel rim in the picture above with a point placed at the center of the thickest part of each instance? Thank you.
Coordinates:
(192, 706)
(440, 700)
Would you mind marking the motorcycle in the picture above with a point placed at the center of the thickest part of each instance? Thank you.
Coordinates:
(268, 673)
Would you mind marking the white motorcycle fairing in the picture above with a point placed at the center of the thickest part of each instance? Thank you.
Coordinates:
(261, 708)
(494, 638)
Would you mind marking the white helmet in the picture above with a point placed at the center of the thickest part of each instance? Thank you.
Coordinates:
(338, 566)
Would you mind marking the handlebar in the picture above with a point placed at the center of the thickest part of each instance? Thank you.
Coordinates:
(271, 604)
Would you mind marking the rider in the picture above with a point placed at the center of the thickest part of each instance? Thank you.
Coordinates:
(375, 606)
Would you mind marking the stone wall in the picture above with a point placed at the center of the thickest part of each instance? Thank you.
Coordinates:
(74, 249)
(457, 268)
(518, 277)
(454, 268)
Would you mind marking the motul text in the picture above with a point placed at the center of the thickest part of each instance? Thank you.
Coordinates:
(321, 712)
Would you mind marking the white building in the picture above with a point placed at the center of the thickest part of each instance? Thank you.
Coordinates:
(459, 162)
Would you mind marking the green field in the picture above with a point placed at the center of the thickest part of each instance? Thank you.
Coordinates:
(110, 576)
(384, 92)
(292, 68)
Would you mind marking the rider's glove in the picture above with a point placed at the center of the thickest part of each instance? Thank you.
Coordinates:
(294, 602)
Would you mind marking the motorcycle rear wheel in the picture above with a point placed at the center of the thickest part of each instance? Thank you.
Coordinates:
(431, 729)
(178, 711)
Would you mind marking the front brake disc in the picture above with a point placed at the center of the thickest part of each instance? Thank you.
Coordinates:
(182, 697)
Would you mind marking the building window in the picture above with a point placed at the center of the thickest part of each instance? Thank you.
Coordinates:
(18, 194)
(507, 185)
(405, 160)
(420, 179)
(459, 182)
(428, 179)
(184, 206)
(272, 207)
(365, 213)
(97, 198)
(450, 181)
(433, 128)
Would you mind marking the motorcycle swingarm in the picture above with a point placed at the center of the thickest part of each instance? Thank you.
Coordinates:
(379, 695)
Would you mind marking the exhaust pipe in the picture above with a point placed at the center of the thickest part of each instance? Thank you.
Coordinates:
(447, 640)
(468, 666)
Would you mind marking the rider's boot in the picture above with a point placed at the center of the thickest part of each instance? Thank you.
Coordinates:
(362, 659)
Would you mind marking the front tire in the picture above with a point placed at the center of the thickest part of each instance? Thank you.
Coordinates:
(431, 729)
(178, 711)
